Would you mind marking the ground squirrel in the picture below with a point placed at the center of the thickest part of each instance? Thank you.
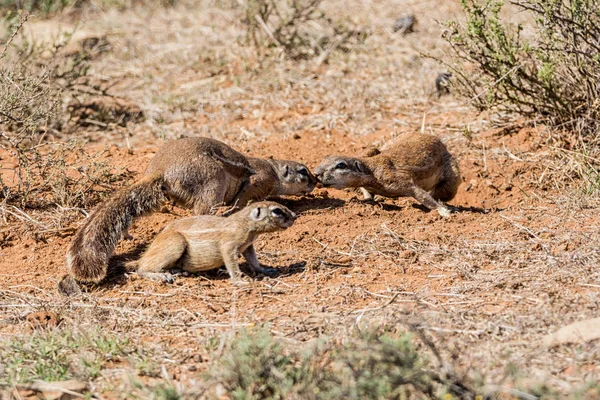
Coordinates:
(201, 173)
(416, 165)
(206, 242)
(198, 173)
(268, 177)
(276, 178)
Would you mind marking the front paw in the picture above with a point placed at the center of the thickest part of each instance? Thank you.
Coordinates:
(444, 211)
(239, 282)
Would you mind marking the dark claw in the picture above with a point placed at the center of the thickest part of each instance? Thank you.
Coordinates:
(158, 276)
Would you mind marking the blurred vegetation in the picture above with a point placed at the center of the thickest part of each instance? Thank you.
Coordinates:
(298, 28)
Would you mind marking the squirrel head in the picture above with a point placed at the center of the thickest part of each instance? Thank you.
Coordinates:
(294, 178)
(342, 172)
(268, 216)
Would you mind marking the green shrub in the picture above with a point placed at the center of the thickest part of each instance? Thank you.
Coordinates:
(33, 89)
(375, 365)
(45, 7)
(9, 9)
(553, 77)
(56, 355)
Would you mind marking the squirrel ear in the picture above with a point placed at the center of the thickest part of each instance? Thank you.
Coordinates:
(359, 166)
(255, 214)
(286, 171)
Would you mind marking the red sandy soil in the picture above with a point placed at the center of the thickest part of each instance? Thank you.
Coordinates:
(345, 257)
(519, 259)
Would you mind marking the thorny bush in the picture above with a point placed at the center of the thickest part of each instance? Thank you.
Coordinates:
(42, 173)
(298, 28)
(552, 77)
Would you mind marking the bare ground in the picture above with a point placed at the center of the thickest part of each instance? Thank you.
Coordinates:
(517, 262)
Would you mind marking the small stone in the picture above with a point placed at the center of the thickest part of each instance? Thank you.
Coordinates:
(405, 24)
(344, 260)
(571, 370)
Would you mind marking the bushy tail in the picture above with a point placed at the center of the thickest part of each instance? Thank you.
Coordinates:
(94, 242)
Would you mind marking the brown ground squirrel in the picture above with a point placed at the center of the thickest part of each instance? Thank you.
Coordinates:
(206, 242)
(183, 164)
(414, 164)
(198, 173)
(276, 178)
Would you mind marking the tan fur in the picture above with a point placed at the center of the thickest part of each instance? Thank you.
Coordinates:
(415, 165)
(207, 173)
(277, 178)
(206, 242)
(198, 173)
(201, 173)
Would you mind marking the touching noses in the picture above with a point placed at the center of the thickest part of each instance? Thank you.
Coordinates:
(319, 173)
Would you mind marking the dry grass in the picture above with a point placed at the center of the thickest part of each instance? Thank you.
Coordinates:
(485, 296)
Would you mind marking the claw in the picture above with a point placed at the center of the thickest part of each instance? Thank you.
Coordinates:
(126, 235)
(165, 277)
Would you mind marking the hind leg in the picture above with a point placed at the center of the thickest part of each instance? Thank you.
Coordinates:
(428, 201)
(161, 256)
(243, 196)
(446, 189)
(210, 196)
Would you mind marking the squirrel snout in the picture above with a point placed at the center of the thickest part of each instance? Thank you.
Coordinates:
(319, 177)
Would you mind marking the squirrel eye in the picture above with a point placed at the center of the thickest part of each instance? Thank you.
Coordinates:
(277, 212)
(303, 171)
(341, 166)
